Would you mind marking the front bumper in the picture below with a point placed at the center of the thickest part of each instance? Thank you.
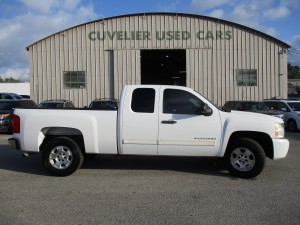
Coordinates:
(281, 148)
(14, 143)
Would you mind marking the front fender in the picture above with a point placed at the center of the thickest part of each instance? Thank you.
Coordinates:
(246, 126)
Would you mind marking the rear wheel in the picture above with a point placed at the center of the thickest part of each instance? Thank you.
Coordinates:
(245, 158)
(61, 156)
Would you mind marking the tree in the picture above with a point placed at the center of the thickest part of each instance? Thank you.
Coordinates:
(293, 72)
(9, 80)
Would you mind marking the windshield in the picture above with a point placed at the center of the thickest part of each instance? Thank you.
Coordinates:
(294, 105)
(17, 96)
(263, 106)
(219, 108)
(7, 105)
(103, 105)
(52, 105)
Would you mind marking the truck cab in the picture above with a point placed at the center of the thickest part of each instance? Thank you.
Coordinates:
(174, 121)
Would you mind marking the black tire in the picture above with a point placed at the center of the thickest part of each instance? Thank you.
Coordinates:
(61, 156)
(291, 125)
(245, 158)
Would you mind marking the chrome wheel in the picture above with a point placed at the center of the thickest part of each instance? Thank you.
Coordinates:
(242, 159)
(60, 157)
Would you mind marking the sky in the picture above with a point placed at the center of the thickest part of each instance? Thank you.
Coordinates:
(23, 22)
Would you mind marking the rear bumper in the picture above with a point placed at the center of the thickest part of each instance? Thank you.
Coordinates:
(14, 143)
(281, 148)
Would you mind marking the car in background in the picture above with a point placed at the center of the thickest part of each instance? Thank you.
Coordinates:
(252, 106)
(7, 95)
(56, 104)
(104, 104)
(25, 96)
(290, 109)
(7, 107)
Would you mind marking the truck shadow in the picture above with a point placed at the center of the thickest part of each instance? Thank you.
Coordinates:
(197, 165)
(11, 160)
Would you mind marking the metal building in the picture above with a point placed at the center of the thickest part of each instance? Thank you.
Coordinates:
(219, 59)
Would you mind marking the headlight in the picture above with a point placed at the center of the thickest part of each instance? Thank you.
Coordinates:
(279, 130)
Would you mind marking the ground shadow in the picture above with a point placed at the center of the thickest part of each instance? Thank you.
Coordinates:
(12, 160)
(197, 165)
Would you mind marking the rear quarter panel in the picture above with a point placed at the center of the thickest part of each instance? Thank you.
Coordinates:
(98, 128)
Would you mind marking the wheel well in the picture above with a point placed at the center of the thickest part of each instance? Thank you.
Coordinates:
(291, 119)
(53, 132)
(262, 138)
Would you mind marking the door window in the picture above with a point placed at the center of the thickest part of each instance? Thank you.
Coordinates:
(181, 102)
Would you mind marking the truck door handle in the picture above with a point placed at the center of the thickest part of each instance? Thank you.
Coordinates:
(169, 121)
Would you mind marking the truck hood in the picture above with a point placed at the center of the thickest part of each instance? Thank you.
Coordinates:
(248, 121)
(252, 116)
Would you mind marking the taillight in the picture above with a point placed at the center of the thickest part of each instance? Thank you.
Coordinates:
(16, 124)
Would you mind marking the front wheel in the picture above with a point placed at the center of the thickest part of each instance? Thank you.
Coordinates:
(245, 158)
(61, 156)
(292, 126)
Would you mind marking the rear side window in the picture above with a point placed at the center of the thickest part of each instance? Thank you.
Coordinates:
(143, 100)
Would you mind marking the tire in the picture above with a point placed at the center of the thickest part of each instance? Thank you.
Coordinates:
(61, 156)
(245, 158)
(292, 126)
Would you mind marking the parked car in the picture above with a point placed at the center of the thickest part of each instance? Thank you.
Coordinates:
(290, 109)
(104, 104)
(6, 111)
(56, 104)
(6, 95)
(252, 106)
(25, 96)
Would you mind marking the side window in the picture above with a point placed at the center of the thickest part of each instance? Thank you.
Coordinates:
(143, 100)
(181, 102)
(281, 106)
(271, 105)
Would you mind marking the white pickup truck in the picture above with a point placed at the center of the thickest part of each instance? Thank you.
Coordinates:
(151, 120)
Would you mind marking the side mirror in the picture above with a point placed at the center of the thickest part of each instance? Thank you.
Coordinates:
(205, 110)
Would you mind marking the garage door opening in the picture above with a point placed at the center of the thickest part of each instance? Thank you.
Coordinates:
(166, 67)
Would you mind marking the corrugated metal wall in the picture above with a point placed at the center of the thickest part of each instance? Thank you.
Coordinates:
(109, 64)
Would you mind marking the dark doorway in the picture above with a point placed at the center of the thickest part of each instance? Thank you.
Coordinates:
(167, 67)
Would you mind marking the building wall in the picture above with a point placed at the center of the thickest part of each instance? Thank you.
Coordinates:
(18, 88)
(109, 52)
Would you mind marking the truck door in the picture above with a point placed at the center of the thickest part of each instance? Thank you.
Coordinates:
(183, 130)
(139, 121)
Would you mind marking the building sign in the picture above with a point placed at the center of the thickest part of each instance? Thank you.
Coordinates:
(159, 35)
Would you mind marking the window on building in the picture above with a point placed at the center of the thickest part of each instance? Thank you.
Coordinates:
(246, 77)
(74, 79)
(143, 100)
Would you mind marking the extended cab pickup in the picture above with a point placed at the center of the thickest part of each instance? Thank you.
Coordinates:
(151, 120)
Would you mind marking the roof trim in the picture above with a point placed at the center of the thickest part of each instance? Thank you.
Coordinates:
(226, 22)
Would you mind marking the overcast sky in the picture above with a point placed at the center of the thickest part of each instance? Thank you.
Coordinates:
(23, 22)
